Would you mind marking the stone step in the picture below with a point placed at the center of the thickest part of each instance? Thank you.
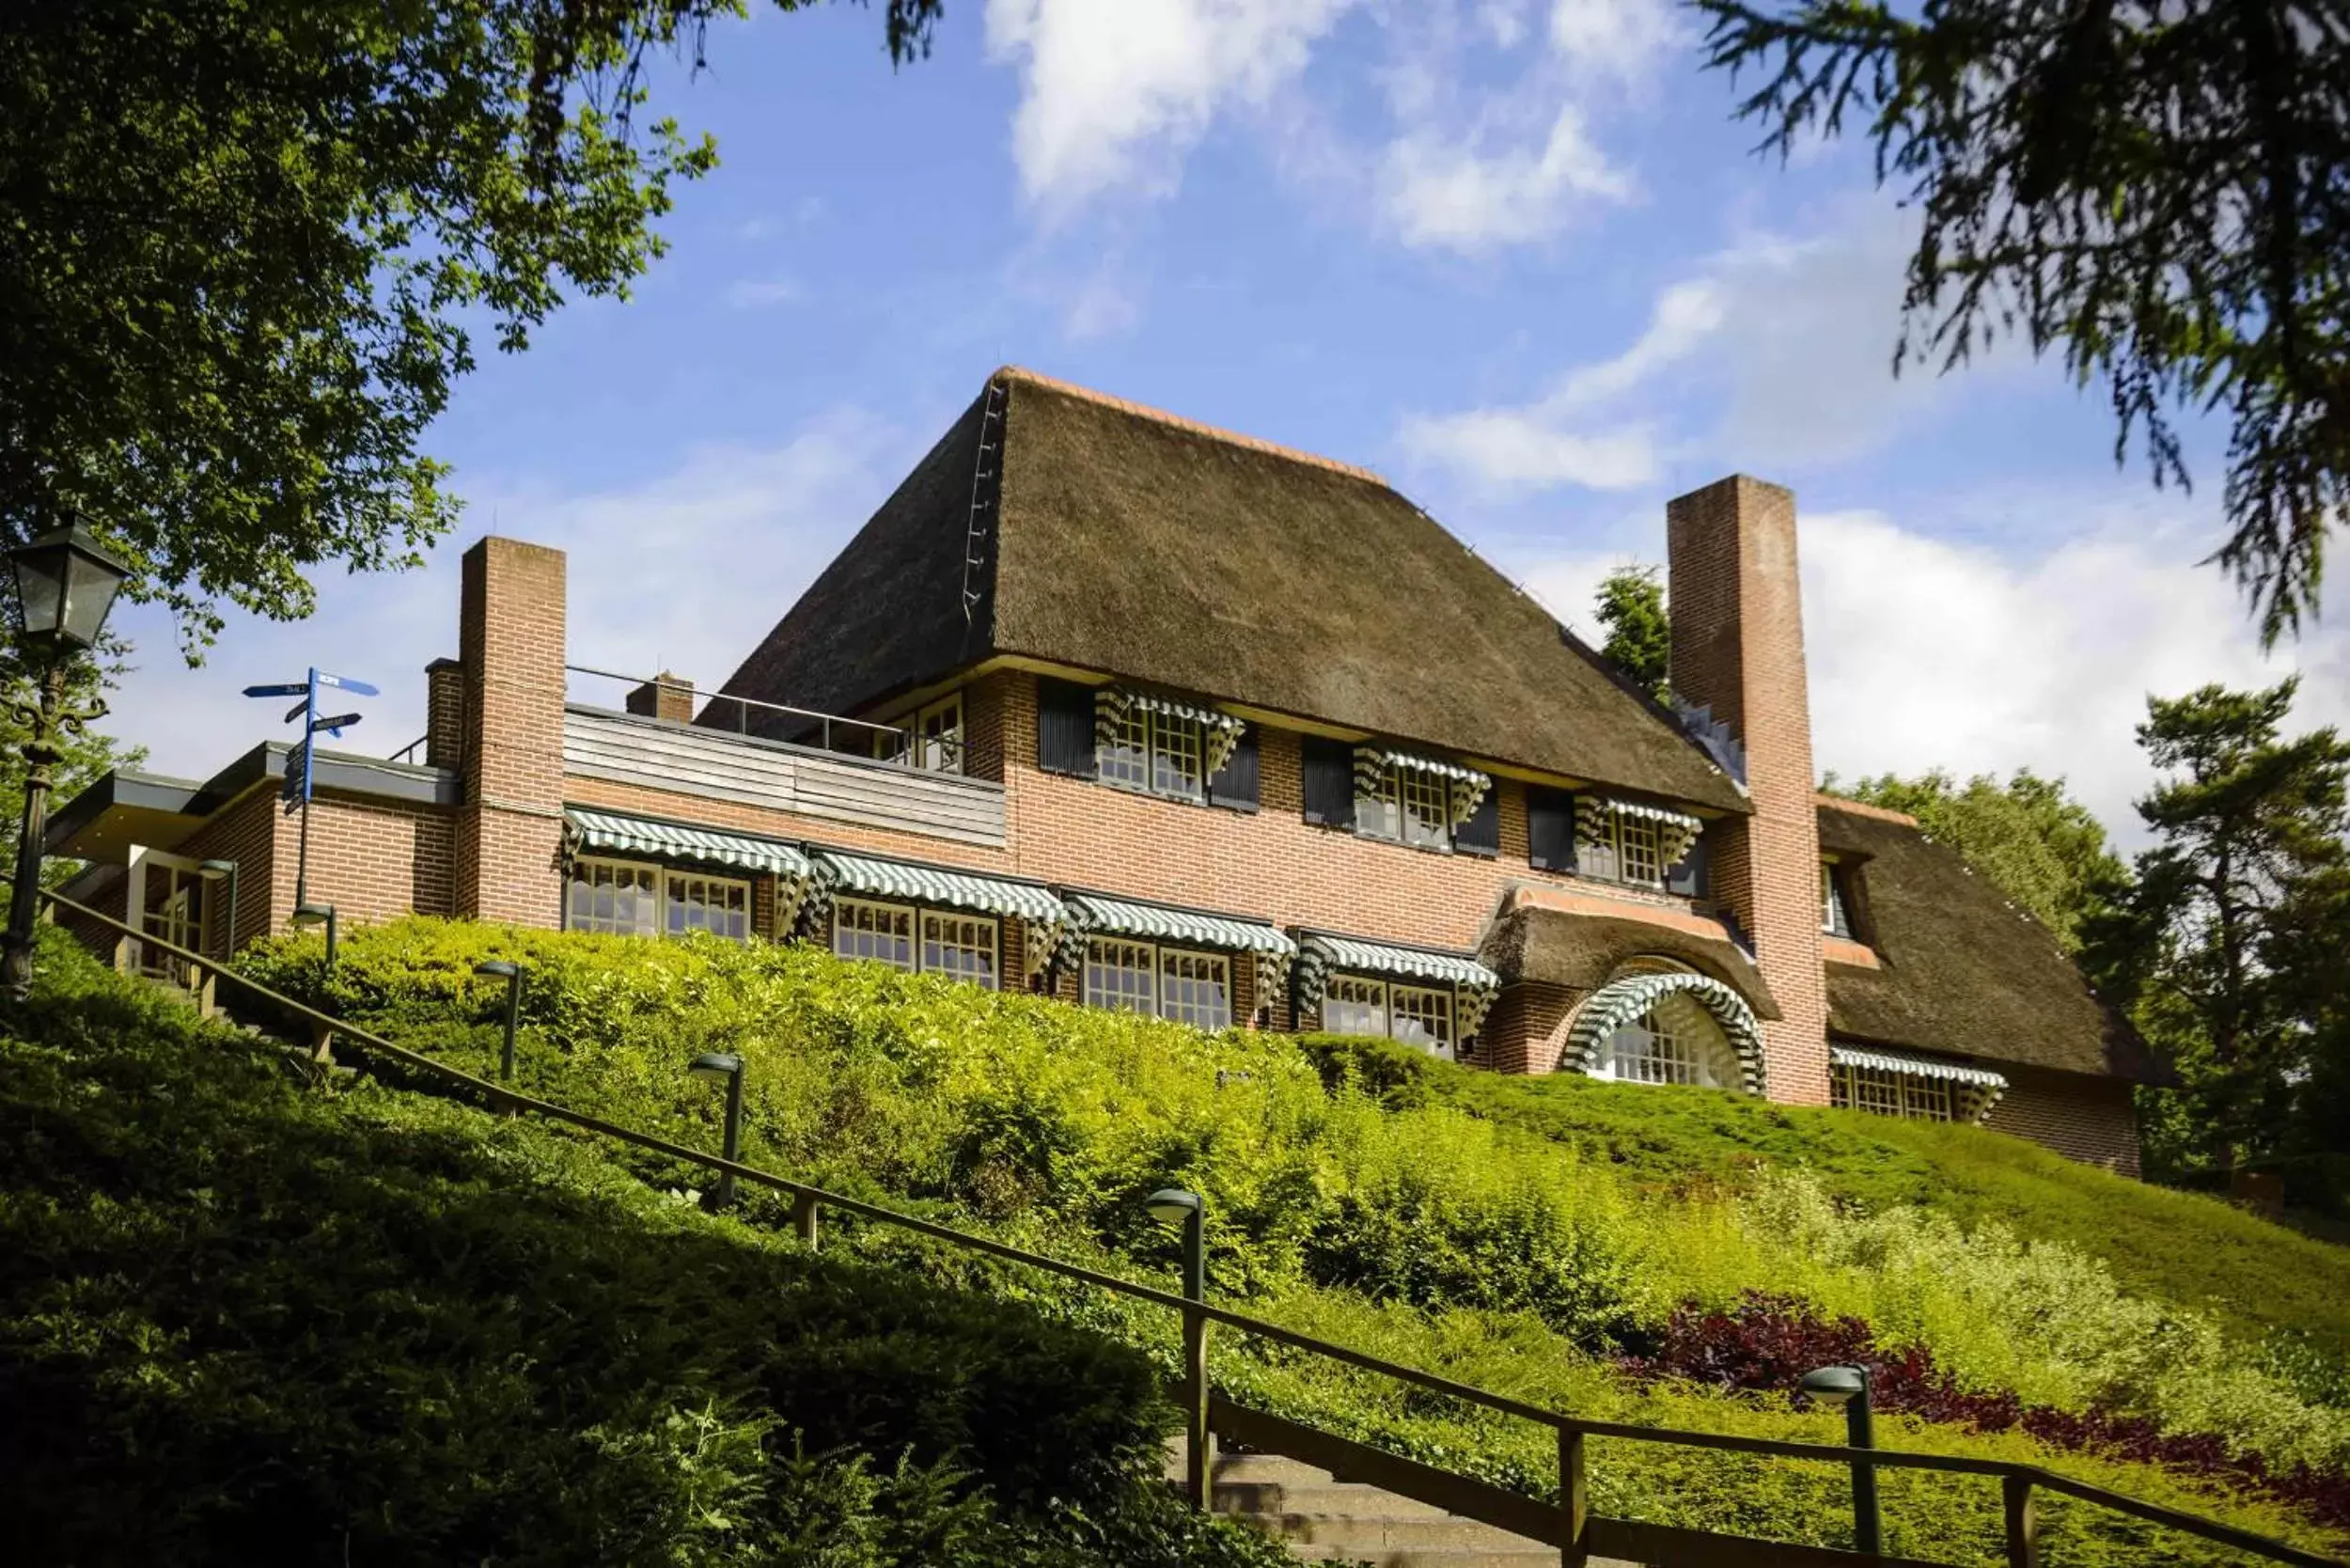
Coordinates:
(1307, 1497)
(1380, 1534)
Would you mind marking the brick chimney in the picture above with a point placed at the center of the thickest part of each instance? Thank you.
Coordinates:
(1736, 606)
(664, 697)
(510, 645)
(443, 714)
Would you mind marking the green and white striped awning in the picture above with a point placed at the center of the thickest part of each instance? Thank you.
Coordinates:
(1374, 760)
(1884, 1058)
(1630, 998)
(1378, 958)
(602, 833)
(1117, 918)
(929, 885)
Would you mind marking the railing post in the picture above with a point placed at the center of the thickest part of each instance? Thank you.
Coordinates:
(2023, 1521)
(804, 1217)
(1574, 1499)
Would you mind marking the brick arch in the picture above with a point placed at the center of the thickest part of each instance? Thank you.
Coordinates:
(1638, 986)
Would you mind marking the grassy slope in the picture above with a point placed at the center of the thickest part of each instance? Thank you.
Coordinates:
(2184, 1248)
(1492, 1252)
(245, 1319)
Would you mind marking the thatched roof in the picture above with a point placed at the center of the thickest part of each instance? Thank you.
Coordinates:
(1963, 970)
(1582, 951)
(1131, 543)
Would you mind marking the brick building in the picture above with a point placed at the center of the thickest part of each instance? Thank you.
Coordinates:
(1108, 705)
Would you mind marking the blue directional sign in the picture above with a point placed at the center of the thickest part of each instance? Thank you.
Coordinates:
(300, 762)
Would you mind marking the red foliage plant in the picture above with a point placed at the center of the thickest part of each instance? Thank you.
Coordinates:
(1767, 1342)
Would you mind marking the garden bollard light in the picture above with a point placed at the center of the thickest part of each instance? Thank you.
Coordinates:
(1174, 1206)
(498, 968)
(1849, 1388)
(309, 914)
(715, 1065)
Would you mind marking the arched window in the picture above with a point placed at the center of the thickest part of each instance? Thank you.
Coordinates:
(1676, 1041)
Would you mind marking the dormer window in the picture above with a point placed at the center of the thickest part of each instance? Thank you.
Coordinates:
(1621, 840)
(1833, 918)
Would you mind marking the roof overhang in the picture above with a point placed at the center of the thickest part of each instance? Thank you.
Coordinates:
(127, 808)
(1569, 937)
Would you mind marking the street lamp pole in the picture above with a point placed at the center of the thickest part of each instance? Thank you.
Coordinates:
(65, 583)
(1177, 1206)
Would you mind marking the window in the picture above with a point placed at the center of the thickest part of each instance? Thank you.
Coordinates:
(1410, 807)
(1158, 752)
(719, 906)
(962, 946)
(614, 898)
(1417, 1015)
(1196, 989)
(932, 739)
(881, 931)
(1887, 1093)
(1192, 988)
(1677, 1042)
(1832, 918)
(1621, 847)
(1120, 976)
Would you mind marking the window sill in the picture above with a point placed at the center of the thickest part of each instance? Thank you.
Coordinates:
(1144, 791)
(1398, 843)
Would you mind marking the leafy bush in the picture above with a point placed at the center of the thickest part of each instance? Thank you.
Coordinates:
(1353, 1172)
(244, 1319)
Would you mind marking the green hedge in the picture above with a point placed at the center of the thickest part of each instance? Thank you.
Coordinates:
(245, 1319)
(1382, 1198)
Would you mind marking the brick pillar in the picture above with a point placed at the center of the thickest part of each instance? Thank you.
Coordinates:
(510, 645)
(1736, 606)
(664, 697)
(445, 714)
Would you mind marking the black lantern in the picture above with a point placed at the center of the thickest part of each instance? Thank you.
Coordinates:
(65, 582)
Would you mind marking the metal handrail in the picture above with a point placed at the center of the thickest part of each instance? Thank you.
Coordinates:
(409, 751)
(743, 704)
(2017, 1479)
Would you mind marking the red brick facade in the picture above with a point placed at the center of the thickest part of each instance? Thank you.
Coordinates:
(2086, 1119)
(511, 641)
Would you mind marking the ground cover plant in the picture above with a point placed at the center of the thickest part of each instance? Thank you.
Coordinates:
(248, 1317)
(1390, 1216)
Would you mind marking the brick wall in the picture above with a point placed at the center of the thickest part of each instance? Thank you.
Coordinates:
(664, 697)
(245, 831)
(2087, 1119)
(511, 641)
(445, 714)
(1736, 608)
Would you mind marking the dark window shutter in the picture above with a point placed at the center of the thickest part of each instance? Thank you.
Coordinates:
(1550, 829)
(1481, 833)
(1329, 770)
(1235, 783)
(1690, 879)
(1064, 727)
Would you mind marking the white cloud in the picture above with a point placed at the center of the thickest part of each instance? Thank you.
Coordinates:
(1623, 40)
(1545, 444)
(1927, 653)
(685, 571)
(757, 293)
(1456, 193)
(1114, 95)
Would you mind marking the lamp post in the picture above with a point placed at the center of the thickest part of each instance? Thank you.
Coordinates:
(1849, 1388)
(1175, 1206)
(716, 1065)
(65, 583)
(498, 968)
(226, 869)
(307, 914)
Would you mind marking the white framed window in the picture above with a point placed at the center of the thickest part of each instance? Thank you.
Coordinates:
(1624, 848)
(1416, 1015)
(1160, 753)
(615, 897)
(717, 904)
(962, 946)
(881, 931)
(1904, 1095)
(1120, 976)
(1832, 918)
(1410, 807)
(938, 744)
(1676, 1041)
(1196, 988)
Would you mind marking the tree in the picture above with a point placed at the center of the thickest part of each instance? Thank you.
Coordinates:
(2243, 906)
(87, 756)
(246, 249)
(1631, 604)
(2158, 192)
(2043, 849)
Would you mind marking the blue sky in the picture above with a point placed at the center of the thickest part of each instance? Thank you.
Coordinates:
(1512, 254)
